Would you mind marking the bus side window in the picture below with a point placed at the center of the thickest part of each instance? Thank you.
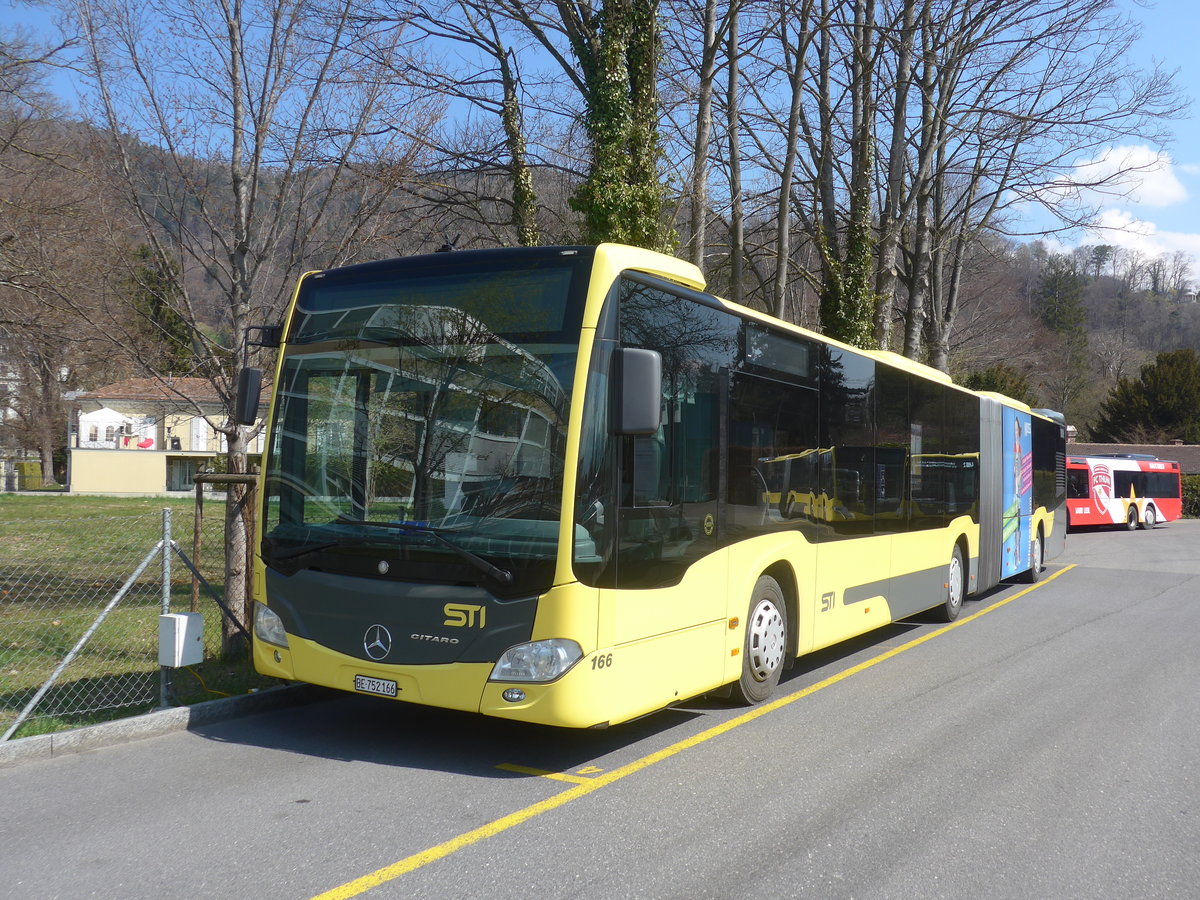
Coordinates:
(772, 434)
(854, 478)
(892, 441)
(1078, 487)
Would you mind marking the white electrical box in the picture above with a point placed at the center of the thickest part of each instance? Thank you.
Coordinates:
(180, 639)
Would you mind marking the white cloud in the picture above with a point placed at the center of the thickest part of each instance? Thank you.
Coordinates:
(1144, 199)
(1142, 176)
(1122, 229)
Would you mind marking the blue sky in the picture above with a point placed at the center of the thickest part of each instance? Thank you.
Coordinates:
(1160, 214)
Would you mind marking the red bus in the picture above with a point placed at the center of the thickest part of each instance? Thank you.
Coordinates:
(1131, 490)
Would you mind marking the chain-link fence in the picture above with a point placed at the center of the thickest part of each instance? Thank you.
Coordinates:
(80, 599)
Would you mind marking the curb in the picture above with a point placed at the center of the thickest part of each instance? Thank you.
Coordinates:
(163, 721)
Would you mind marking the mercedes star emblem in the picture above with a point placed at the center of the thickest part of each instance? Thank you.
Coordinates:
(377, 642)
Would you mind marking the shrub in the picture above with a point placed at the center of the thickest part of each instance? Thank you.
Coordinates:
(1191, 496)
(29, 475)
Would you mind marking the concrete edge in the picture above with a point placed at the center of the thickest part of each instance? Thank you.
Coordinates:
(162, 721)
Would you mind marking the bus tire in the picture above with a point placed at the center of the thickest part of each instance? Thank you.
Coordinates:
(1131, 519)
(951, 606)
(1149, 518)
(1033, 574)
(765, 645)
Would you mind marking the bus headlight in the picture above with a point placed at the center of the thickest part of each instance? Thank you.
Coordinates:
(537, 661)
(268, 627)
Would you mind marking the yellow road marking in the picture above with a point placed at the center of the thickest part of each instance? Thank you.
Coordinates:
(591, 785)
(557, 776)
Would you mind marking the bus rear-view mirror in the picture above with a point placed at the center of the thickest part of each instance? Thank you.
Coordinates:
(639, 391)
(245, 406)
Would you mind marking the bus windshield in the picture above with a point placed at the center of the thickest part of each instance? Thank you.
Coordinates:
(420, 426)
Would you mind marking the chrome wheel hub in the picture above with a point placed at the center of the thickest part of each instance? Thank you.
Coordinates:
(954, 583)
(767, 640)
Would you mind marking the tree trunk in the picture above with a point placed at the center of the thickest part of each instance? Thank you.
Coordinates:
(524, 215)
(783, 209)
(891, 217)
(50, 425)
(918, 283)
(239, 498)
(827, 222)
(847, 304)
(621, 198)
(699, 176)
(737, 233)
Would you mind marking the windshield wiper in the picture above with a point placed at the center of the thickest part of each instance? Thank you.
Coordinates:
(297, 552)
(502, 575)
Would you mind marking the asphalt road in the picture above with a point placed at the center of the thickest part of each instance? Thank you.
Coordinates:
(1044, 746)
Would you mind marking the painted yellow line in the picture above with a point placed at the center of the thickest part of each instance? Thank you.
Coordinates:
(417, 860)
(542, 773)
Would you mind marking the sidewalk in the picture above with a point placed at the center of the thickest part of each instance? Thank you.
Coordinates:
(163, 721)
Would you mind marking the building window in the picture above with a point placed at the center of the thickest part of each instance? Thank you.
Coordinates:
(94, 433)
(181, 473)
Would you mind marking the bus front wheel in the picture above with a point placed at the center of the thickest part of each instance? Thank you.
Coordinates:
(955, 580)
(765, 646)
(1131, 520)
(1150, 519)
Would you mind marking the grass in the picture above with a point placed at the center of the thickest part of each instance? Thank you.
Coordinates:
(62, 559)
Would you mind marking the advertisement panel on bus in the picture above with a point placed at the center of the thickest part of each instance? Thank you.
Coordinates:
(1018, 490)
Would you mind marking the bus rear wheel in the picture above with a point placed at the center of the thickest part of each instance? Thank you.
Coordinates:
(1036, 560)
(955, 579)
(765, 646)
(1131, 520)
(1149, 518)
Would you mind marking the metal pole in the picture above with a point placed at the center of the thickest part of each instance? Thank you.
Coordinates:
(197, 522)
(164, 673)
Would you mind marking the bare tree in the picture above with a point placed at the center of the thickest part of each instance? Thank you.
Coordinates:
(57, 274)
(489, 81)
(253, 140)
(1178, 274)
(1023, 91)
(608, 52)
(696, 48)
(737, 237)
(55, 252)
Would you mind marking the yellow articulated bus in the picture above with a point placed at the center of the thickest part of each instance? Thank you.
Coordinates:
(565, 485)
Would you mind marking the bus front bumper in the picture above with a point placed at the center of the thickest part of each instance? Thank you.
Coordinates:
(570, 701)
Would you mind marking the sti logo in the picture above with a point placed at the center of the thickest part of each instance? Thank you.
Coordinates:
(462, 615)
(1102, 487)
